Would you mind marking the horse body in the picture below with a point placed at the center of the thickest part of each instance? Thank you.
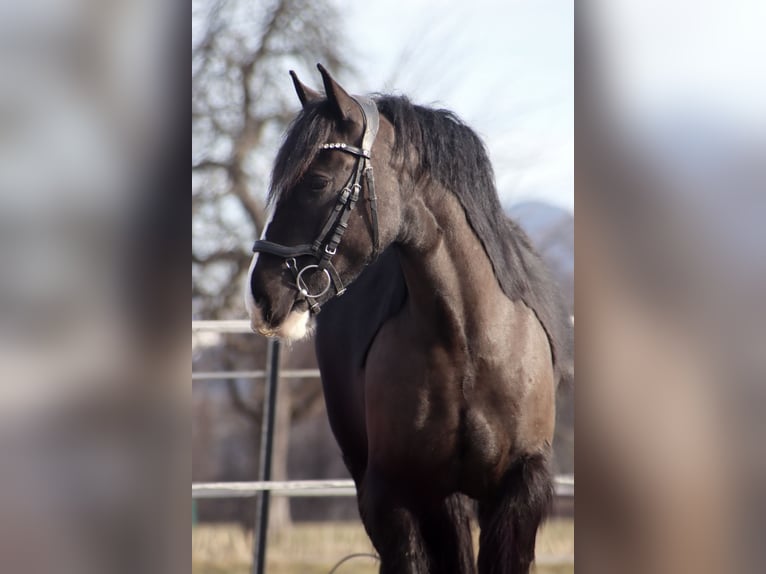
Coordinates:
(439, 365)
(450, 381)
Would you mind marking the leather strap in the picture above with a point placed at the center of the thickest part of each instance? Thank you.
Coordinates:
(371, 121)
(282, 250)
(336, 223)
(352, 149)
(373, 199)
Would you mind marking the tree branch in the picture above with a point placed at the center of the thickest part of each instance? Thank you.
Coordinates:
(233, 256)
(210, 164)
(252, 206)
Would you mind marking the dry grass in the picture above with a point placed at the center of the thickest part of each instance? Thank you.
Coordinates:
(313, 548)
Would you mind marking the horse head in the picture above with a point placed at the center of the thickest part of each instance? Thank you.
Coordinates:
(329, 216)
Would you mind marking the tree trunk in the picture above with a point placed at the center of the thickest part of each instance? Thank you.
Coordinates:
(279, 514)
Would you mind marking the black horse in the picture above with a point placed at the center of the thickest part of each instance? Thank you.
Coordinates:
(441, 359)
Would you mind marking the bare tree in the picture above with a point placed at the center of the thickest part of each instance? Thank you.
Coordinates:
(242, 101)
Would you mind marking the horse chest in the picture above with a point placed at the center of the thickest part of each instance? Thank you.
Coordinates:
(427, 411)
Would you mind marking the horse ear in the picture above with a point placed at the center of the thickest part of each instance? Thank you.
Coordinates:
(343, 103)
(305, 94)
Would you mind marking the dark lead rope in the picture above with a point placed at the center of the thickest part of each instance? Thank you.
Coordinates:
(323, 250)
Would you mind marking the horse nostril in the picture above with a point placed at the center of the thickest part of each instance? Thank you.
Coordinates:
(256, 291)
(261, 301)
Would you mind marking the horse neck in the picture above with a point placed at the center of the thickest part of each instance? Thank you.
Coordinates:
(450, 279)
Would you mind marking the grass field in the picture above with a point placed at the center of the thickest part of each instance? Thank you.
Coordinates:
(313, 548)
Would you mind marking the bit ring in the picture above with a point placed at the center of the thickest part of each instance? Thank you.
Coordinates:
(303, 288)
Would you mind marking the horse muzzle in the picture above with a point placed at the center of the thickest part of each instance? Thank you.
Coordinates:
(295, 325)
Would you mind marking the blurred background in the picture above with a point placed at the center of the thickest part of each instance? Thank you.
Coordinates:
(93, 375)
(505, 68)
(94, 368)
(670, 190)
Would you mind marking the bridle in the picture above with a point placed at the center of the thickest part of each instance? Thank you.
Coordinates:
(325, 246)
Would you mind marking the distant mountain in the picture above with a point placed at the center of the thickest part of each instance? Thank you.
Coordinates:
(536, 216)
(551, 230)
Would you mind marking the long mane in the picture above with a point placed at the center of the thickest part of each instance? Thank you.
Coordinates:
(450, 152)
(435, 143)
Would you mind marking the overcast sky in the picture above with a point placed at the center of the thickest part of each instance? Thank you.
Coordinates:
(505, 67)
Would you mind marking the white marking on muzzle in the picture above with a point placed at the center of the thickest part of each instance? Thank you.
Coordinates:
(253, 311)
(295, 327)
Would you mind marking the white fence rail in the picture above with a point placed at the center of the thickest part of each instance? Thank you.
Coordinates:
(286, 488)
(564, 485)
(231, 327)
(234, 326)
(283, 374)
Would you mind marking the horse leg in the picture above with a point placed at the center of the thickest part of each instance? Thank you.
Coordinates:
(510, 519)
(392, 527)
(446, 531)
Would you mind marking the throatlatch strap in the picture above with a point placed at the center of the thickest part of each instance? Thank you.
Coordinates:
(373, 199)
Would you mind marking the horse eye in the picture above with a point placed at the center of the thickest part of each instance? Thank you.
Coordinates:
(318, 183)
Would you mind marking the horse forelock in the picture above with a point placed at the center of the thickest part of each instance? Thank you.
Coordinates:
(300, 146)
